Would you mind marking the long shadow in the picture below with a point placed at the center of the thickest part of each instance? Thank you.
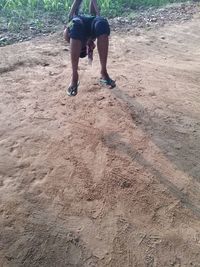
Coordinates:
(113, 141)
(179, 147)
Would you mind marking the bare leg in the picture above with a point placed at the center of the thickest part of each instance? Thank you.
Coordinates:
(102, 45)
(75, 49)
(92, 9)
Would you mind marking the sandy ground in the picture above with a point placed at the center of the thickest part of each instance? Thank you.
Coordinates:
(110, 177)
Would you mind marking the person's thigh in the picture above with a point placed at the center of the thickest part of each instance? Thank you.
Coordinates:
(100, 27)
(77, 29)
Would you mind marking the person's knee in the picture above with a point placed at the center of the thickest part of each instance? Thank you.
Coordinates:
(103, 38)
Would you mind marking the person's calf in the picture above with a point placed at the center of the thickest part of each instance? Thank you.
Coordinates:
(75, 49)
(102, 45)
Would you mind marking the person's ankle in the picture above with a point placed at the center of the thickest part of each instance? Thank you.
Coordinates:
(104, 75)
(74, 80)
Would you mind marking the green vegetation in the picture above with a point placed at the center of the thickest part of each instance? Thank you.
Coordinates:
(23, 19)
(30, 8)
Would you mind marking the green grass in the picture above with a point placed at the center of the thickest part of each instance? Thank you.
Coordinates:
(17, 16)
(108, 7)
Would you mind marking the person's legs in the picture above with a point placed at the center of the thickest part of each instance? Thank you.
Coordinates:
(101, 30)
(76, 34)
(75, 50)
(102, 45)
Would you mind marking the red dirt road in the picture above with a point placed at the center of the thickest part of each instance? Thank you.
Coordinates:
(110, 177)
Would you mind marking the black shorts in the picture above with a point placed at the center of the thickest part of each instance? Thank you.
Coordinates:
(83, 27)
